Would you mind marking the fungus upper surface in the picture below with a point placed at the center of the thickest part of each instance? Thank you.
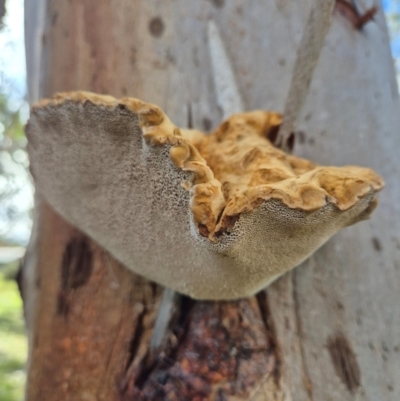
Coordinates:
(251, 171)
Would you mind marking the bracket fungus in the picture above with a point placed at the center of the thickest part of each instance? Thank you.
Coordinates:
(215, 216)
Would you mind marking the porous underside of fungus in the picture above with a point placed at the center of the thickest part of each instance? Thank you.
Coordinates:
(264, 209)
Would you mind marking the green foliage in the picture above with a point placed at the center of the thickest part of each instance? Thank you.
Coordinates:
(393, 18)
(11, 122)
(13, 342)
(14, 181)
(15, 186)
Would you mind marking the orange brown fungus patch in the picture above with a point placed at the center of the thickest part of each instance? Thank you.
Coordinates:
(251, 170)
(237, 168)
(207, 200)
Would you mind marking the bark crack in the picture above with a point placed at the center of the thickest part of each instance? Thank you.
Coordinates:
(344, 361)
(306, 376)
(103, 380)
(263, 304)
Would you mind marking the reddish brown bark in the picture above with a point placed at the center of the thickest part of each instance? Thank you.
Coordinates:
(95, 319)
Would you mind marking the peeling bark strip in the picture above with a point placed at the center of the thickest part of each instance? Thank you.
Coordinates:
(308, 53)
(344, 361)
(76, 268)
(216, 350)
(349, 11)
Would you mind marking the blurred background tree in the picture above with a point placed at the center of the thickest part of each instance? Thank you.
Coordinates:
(16, 198)
(15, 185)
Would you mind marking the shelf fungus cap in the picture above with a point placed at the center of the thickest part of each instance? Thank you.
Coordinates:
(215, 216)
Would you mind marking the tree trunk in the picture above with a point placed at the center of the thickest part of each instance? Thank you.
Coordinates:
(327, 331)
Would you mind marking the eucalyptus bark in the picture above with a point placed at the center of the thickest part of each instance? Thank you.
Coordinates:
(327, 331)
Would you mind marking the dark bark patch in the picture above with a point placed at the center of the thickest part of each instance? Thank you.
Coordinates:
(189, 116)
(272, 133)
(221, 395)
(308, 117)
(291, 141)
(133, 56)
(376, 244)
(54, 18)
(19, 278)
(63, 302)
(76, 266)
(344, 361)
(156, 27)
(76, 269)
(207, 124)
(301, 136)
(218, 3)
(137, 337)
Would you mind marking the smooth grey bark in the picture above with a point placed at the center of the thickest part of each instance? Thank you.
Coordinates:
(349, 289)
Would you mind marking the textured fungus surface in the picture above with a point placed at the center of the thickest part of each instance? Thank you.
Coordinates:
(183, 208)
(251, 170)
